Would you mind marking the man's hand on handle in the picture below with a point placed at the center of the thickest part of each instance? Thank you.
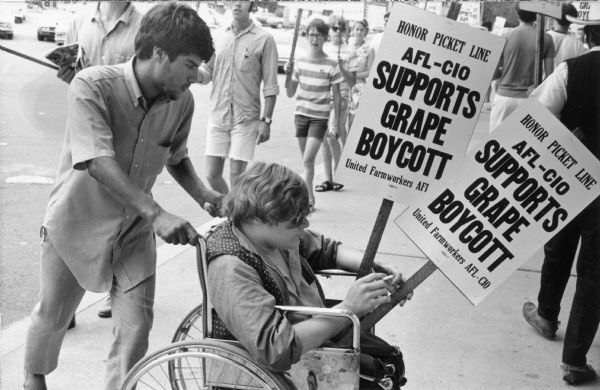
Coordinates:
(174, 230)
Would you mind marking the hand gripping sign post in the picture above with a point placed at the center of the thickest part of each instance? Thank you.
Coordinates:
(518, 188)
(417, 114)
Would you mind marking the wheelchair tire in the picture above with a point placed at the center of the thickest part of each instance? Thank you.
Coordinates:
(190, 327)
(183, 365)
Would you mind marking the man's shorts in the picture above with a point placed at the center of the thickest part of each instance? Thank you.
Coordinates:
(234, 141)
(310, 127)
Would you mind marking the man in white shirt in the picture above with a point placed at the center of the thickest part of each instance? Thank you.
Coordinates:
(565, 46)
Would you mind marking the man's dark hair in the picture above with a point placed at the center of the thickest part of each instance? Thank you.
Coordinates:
(592, 34)
(525, 16)
(567, 9)
(176, 29)
(319, 25)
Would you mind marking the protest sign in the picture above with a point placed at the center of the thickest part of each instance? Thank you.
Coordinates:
(420, 106)
(514, 191)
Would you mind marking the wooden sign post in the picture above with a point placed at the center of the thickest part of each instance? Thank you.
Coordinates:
(416, 117)
(288, 77)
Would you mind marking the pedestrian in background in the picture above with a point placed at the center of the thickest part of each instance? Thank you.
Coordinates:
(337, 48)
(105, 36)
(125, 123)
(565, 45)
(572, 93)
(245, 56)
(364, 55)
(319, 78)
(515, 74)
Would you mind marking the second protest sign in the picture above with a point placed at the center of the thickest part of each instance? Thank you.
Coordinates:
(518, 188)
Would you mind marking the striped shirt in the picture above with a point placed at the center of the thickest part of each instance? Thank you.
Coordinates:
(315, 78)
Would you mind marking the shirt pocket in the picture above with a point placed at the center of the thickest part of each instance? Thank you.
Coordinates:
(249, 63)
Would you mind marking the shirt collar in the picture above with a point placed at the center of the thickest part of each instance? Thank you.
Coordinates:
(123, 18)
(249, 29)
(135, 92)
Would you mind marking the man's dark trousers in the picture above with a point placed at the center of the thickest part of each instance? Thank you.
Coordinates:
(559, 257)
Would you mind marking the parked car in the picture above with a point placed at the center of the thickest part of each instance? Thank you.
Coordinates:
(6, 27)
(279, 22)
(48, 23)
(19, 15)
(60, 34)
(261, 16)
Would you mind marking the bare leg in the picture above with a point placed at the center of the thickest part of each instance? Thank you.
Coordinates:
(215, 173)
(236, 168)
(327, 165)
(308, 161)
(336, 151)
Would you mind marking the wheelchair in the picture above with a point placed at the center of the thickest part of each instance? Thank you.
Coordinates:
(195, 360)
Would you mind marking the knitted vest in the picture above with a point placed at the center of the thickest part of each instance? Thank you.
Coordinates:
(582, 108)
(223, 242)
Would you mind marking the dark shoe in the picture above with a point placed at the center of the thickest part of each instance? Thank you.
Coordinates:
(575, 375)
(325, 186)
(543, 326)
(72, 323)
(106, 310)
(337, 186)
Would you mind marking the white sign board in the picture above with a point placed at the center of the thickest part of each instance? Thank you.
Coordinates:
(515, 190)
(421, 103)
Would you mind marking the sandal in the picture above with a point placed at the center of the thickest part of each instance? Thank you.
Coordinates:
(337, 186)
(325, 186)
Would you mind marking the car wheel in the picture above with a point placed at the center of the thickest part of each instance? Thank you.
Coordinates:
(10, 36)
(279, 25)
(40, 37)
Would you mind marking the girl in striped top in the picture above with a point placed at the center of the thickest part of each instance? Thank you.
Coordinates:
(315, 77)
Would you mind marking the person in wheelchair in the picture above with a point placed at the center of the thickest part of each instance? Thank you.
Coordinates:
(264, 255)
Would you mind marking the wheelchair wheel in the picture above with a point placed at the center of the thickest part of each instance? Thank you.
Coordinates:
(205, 364)
(190, 327)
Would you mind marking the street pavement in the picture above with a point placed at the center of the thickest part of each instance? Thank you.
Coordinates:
(447, 343)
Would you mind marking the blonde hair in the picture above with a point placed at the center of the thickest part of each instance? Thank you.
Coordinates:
(267, 192)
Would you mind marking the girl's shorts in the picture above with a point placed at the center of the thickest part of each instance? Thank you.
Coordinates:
(307, 126)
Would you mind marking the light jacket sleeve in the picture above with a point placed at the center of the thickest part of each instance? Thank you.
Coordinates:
(248, 311)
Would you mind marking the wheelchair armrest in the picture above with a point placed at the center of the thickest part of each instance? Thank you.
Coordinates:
(320, 311)
(334, 272)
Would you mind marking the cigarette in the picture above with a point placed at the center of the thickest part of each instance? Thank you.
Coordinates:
(387, 278)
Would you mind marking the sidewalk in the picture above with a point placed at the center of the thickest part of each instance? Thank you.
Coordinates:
(447, 343)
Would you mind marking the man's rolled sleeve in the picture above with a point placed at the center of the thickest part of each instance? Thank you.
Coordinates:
(178, 150)
(88, 123)
(248, 311)
(269, 68)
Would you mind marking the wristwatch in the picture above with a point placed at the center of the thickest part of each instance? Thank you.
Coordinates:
(268, 121)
